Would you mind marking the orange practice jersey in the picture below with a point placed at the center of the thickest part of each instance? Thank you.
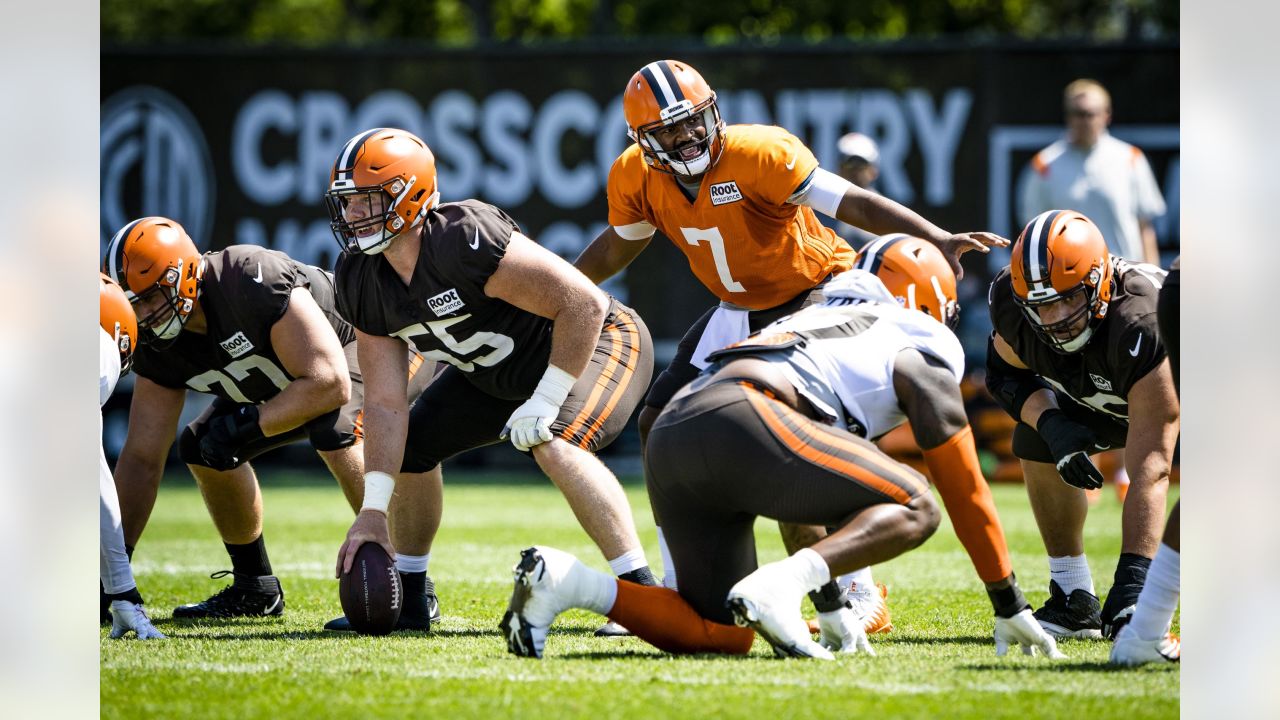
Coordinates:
(744, 241)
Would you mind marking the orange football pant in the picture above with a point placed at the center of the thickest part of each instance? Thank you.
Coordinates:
(662, 618)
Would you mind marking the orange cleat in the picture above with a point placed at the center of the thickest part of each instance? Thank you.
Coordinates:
(873, 608)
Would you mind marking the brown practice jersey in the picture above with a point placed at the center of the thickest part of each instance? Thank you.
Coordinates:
(743, 240)
(244, 291)
(1125, 347)
(444, 312)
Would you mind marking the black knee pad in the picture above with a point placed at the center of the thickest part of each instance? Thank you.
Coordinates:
(189, 447)
(1028, 445)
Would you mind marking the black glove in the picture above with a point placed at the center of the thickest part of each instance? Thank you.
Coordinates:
(224, 438)
(1070, 442)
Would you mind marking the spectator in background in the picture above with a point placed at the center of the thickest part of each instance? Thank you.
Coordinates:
(1091, 172)
(860, 165)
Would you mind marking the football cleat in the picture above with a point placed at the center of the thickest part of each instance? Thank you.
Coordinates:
(246, 596)
(1130, 649)
(130, 616)
(547, 582)
(612, 629)
(873, 608)
(418, 613)
(770, 605)
(1078, 615)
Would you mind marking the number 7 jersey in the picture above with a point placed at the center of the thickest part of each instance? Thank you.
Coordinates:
(743, 240)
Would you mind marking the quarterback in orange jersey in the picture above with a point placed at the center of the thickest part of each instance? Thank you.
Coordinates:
(739, 202)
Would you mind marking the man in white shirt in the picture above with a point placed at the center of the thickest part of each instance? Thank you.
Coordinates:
(1091, 172)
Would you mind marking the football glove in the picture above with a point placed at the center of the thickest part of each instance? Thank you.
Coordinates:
(128, 615)
(842, 632)
(222, 444)
(1070, 443)
(530, 425)
(1024, 630)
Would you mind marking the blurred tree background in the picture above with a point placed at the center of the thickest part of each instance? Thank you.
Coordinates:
(469, 22)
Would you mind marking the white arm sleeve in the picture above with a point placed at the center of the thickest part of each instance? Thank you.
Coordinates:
(825, 192)
(635, 231)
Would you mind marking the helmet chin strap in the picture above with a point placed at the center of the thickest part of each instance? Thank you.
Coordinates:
(1079, 341)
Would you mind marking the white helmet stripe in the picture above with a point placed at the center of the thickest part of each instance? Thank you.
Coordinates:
(654, 72)
(1035, 248)
(346, 157)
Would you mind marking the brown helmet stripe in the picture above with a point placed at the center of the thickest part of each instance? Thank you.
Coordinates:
(663, 83)
(343, 167)
(1035, 260)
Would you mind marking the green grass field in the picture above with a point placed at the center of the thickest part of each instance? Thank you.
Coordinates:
(938, 662)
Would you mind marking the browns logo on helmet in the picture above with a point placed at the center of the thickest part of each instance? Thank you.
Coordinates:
(383, 182)
(1062, 277)
(116, 317)
(916, 273)
(159, 268)
(665, 93)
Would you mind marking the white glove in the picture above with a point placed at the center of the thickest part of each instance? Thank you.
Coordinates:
(128, 616)
(1023, 629)
(530, 424)
(842, 632)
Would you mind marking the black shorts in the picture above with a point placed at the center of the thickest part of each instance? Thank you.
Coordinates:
(681, 371)
(726, 454)
(1112, 432)
(1167, 307)
(453, 416)
(334, 430)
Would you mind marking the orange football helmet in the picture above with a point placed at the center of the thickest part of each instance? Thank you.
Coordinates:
(1059, 257)
(665, 93)
(115, 315)
(383, 183)
(916, 273)
(151, 256)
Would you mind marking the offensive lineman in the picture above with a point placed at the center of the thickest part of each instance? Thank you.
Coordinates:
(539, 354)
(739, 202)
(789, 410)
(259, 331)
(117, 341)
(1076, 357)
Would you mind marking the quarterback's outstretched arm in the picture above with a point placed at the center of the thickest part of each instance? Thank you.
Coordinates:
(609, 253)
(312, 354)
(153, 424)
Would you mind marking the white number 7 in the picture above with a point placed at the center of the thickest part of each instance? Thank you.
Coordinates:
(693, 236)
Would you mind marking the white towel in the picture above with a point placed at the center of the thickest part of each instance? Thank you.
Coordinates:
(727, 326)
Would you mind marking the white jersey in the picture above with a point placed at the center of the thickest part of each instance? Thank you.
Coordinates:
(840, 358)
(108, 366)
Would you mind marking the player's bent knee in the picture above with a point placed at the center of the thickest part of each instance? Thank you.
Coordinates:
(925, 518)
(644, 422)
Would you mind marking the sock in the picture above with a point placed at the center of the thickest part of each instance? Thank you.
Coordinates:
(597, 591)
(668, 565)
(628, 561)
(640, 576)
(132, 595)
(662, 618)
(1159, 596)
(859, 580)
(413, 583)
(1071, 573)
(250, 559)
(412, 563)
(808, 568)
(1132, 569)
(128, 550)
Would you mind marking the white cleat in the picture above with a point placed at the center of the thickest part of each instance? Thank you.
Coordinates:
(547, 582)
(768, 601)
(128, 616)
(842, 632)
(872, 607)
(1129, 649)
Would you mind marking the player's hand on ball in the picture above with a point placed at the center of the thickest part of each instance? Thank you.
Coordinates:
(1024, 630)
(370, 526)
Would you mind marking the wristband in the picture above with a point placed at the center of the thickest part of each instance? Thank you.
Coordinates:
(1008, 601)
(378, 487)
(555, 385)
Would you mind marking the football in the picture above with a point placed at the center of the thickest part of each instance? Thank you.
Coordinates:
(371, 593)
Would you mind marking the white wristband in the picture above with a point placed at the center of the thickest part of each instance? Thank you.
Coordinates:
(555, 385)
(378, 487)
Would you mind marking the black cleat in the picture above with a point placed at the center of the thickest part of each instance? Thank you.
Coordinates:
(246, 596)
(419, 612)
(1078, 615)
(1122, 600)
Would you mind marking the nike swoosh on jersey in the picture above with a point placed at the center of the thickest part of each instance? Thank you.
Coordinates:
(259, 278)
(1134, 351)
(475, 242)
(791, 165)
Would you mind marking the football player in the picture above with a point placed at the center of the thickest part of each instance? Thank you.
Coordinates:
(539, 354)
(1077, 359)
(790, 410)
(739, 202)
(1146, 639)
(117, 341)
(260, 333)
